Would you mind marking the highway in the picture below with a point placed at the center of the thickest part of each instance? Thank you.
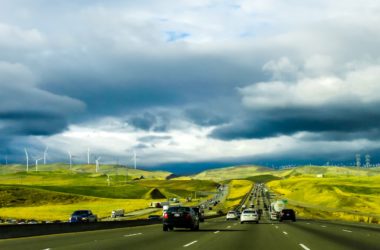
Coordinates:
(215, 234)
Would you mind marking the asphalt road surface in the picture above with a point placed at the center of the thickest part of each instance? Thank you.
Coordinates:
(215, 234)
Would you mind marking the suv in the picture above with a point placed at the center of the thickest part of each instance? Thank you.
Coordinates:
(181, 217)
(287, 214)
(249, 215)
(83, 216)
(200, 212)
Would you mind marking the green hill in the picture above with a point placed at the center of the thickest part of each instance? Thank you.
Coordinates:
(235, 172)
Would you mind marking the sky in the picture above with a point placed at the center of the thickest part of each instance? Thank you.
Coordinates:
(190, 83)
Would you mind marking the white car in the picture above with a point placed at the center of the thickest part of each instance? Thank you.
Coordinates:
(249, 215)
(231, 215)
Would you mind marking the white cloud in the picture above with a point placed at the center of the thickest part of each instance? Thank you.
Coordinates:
(355, 88)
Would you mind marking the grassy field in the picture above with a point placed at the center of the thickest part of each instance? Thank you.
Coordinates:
(237, 190)
(230, 173)
(332, 197)
(53, 195)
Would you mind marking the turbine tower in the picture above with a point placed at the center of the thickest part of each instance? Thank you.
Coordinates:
(134, 158)
(37, 163)
(45, 154)
(70, 158)
(97, 164)
(27, 160)
(88, 156)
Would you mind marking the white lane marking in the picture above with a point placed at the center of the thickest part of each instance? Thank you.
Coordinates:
(191, 243)
(46, 249)
(347, 231)
(276, 227)
(284, 232)
(129, 235)
(308, 223)
(323, 226)
(216, 232)
(235, 224)
(304, 247)
(229, 227)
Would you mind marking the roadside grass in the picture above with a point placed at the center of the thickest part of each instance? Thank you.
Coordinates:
(237, 190)
(263, 178)
(343, 197)
(101, 207)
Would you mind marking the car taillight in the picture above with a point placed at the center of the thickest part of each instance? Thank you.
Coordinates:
(166, 216)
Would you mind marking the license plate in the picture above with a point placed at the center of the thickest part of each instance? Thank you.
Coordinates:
(177, 215)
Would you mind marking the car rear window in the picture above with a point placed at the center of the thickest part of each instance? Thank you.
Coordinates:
(231, 212)
(179, 209)
(287, 211)
(81, 212)
(249, 212)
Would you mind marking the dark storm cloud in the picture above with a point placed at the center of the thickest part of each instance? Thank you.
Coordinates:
(205, 117)
(335, 123)
(149, 121)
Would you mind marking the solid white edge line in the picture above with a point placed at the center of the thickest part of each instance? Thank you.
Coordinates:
(304, 247)
(191, 243)
(348, 231)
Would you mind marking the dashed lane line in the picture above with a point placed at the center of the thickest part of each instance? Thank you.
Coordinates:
(130, 235)
(228, 226)
(304, 247)
(284, 232)
(191, 243)
(323, 226)
(347, 231)
(216, 232)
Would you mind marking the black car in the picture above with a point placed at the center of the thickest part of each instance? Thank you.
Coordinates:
(180, 217)
(83, 216)
(287, 214)
(200, 213)
(154, 217)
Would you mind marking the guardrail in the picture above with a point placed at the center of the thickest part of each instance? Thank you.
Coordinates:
(25, 230)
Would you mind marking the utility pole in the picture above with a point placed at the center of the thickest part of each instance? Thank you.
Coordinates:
(367, 160)
(358, 163)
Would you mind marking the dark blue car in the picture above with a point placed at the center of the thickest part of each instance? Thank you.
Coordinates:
(83, 216)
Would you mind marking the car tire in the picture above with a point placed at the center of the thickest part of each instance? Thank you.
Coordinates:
(165, 228)
(241, 222)
(257, 222)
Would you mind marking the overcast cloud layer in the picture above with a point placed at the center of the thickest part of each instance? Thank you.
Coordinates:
(190, 81)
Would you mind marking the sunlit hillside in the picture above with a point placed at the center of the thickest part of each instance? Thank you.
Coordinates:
(352, 197)
(236, 172)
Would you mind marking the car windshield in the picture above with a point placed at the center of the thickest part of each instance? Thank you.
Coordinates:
(179, 209)
(81, 212)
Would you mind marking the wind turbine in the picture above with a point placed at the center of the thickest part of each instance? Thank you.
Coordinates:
(45, 154)
(134, 158)
(70, 158)
(37, 163)
(97, 164)
(27, 160)
(88, 156)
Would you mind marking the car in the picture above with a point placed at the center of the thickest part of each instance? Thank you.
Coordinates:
(287, 214)
(154, 217)
(180, 217)
(231, 215)
(249, 215)
(83, 216)
(200, 212)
